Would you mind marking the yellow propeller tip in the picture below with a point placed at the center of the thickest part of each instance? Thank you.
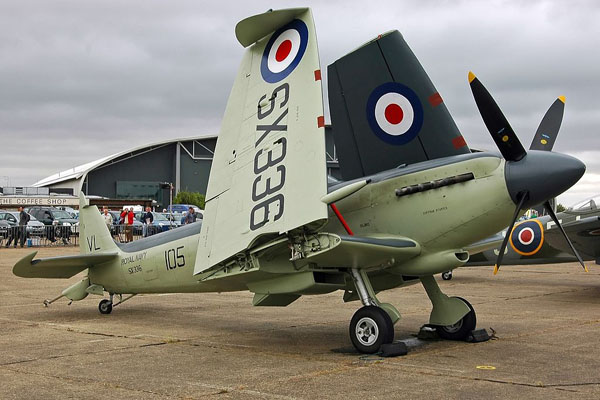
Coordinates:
(495, 269)
(562, 98)
(471, 76)
(586, 269)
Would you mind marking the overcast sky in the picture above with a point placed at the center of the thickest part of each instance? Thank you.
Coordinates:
(80, 80)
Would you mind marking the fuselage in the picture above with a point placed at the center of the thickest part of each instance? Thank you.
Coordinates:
(440, 219)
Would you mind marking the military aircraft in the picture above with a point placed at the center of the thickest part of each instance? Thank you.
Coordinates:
(273, 226)
(539, 241)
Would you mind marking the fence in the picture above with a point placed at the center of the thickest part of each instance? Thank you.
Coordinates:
(48, 235)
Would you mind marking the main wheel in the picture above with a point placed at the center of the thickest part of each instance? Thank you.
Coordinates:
(371, 327)
(461, 329)
(105, 306)
(447, 275)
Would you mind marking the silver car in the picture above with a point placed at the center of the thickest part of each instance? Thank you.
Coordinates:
(34, 227)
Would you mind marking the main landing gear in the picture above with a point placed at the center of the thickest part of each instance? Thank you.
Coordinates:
(373, 325)
(106, 305)
(447, 275)
(453, 317)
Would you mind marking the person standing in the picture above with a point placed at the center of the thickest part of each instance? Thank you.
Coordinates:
(123, 221)
(130, 216)
(190, 217)
(147, 219)
(108, 219)
(22, 229)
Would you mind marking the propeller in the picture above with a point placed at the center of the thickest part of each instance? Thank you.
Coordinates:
(550, 210)
(524, 196)
(506, 139)
(525, 178)
(547, 131)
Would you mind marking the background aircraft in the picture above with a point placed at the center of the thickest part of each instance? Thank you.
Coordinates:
(273, 227)
(539, 241)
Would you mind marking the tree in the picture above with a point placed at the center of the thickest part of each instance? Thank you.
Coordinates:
(560, 208)
(194, 198)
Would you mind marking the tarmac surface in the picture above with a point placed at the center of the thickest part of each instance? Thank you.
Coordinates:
(546, 321)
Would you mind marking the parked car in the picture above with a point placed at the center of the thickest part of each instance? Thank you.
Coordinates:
(48, 216)
(34, 227)
(4, 227)
(64, 224)
(160, 222)
(183, 208)
(175, 218)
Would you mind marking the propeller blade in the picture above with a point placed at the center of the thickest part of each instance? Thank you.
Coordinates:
(546, 133)
(555, 219)
(509, 231)
(507, 141)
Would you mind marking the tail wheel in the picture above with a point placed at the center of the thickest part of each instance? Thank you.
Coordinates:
(105, 306)
(447, 275)
(461, 329)
(371, 327)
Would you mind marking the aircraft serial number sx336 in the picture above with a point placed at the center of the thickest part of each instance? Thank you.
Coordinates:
(273, 226)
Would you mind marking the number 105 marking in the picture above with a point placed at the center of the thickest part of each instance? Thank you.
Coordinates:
(173, 259)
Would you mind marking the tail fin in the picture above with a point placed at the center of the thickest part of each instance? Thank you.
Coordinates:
(94, 236)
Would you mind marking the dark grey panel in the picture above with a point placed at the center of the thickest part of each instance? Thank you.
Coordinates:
(359, 73)
(352, 80)
(194, 174)
(155, 165)
(439, 129)
(343, 134)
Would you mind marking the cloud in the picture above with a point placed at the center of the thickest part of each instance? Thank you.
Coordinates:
(83, 80)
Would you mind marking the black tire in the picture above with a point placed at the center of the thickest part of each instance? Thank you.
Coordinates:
(105, 306)
(371, 327)
(447, 275)
(462, 329)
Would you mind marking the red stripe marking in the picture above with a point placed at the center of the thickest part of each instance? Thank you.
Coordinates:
(317, 75)
(458, 142)
(435, 99)
(342, 220)
(320, 121)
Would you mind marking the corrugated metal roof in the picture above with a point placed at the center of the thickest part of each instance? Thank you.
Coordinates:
(81, 170)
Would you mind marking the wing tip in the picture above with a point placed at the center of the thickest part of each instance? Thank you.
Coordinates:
(21, 267)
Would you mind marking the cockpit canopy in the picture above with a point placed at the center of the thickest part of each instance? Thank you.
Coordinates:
(589, 204)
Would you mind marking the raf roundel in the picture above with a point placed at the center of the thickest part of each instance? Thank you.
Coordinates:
(284, 51)
(395, 113)
(527, 237)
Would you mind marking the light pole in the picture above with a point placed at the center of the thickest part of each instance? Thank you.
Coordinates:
(169, 185)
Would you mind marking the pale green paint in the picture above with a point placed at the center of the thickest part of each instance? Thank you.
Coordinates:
(446, 310)
(226, 229)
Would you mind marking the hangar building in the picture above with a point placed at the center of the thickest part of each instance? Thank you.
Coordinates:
(137, 173)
